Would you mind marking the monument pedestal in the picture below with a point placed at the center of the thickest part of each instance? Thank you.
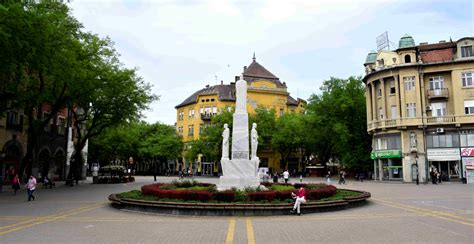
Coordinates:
(238, 173)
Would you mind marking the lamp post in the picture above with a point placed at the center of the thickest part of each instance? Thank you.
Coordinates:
(2, 156)
(417, 171)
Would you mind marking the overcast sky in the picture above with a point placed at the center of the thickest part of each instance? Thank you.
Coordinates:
(179, 46)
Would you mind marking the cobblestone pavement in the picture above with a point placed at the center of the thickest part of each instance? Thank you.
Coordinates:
(396, 213)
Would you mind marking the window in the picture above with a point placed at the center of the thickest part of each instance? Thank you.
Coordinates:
(201, 129)
(391, 142)
(436, 82)
(469, 107)
(392, 87)
(467, 140)
(448, 140)
(190, 130)
(439, 109)
(191, 113)
(282, 112)
(466, 51)
(407, 58)
(381, 62)
(47, 127)
(13, 118)
(180, 131)
(466, 78)
(379, 92)
(380, 113)
(180, 116)
(61, 125)
(214, 110)
(411, 110)
(393, 112)
(409, 83)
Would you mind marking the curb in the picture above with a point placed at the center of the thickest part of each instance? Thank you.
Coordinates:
(213, 209)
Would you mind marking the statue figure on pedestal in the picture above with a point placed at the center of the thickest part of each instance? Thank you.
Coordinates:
(254, 141)
(225, 142)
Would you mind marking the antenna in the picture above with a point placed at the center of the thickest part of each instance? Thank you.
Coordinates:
(382, 41)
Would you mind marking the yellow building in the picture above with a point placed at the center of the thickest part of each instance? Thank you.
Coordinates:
(264, 90)
(420, 110)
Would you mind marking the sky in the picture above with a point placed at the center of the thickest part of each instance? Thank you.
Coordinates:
(180, 46)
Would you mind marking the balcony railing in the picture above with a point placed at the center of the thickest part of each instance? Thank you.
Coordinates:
(438, 93)
(206, 116)
(449, 119)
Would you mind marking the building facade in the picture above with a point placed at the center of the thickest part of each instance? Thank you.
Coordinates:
(420, 110)
(264, 90)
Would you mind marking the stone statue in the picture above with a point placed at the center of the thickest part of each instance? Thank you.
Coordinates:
(413, 141)
(225, 142)
(254, 138)
(241, 96)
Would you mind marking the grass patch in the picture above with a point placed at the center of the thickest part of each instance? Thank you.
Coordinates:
(137, 195)
(341, 194)
(195, 188)
(282, 187)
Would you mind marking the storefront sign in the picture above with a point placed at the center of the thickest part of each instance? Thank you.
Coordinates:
(386, 154)
(467, 152)
(468, 170)
(443, 154)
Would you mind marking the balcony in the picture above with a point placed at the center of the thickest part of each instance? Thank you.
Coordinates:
(438, 93)
(458, 121)
(449, 119)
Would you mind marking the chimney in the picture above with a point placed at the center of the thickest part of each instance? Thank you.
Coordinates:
(207, 86)
(423, 43)
(442, 41)
(222, 82)
(245, 68)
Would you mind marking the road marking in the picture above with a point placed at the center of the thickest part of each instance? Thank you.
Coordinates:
(436, 214)
(26, 224)
(230, 232)
(250, 235)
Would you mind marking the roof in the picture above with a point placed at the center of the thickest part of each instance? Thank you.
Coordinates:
(291, 101)
(224, 93)
(441, 45)
(406, 41)
(371, 57)
(257, 70)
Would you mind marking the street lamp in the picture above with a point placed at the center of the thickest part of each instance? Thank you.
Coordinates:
(417, 171)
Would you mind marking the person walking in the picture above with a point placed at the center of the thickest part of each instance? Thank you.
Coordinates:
(328, 178)
(300, 197)
(16, 184)
(31, 187)
(286, 175)
(342, 177)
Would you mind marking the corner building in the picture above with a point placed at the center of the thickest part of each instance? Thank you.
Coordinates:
(264, 89)
(420, 110)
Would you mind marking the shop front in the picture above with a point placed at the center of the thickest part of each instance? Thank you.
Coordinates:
(388, 165)
(446, 161)
(467, 156)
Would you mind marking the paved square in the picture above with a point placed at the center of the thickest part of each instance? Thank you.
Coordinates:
(396, 213)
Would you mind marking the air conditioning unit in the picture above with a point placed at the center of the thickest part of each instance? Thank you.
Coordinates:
(428, 108)
(439, 130)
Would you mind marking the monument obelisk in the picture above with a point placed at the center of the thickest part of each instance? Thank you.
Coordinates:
(240, 171)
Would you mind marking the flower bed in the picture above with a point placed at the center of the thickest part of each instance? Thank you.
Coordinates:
(202, 192)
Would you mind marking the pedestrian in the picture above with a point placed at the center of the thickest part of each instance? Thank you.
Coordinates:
(438, 177)
(275, 177)
(16, 184)
(301, 178)
(31, 187)
(300, 197)
(342, 177)
(286, 175)
(328, 178)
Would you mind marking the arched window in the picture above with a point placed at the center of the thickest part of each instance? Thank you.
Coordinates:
(381, 62)
(407, 58)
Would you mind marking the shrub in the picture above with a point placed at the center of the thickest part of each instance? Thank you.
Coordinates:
(225, 196)
(261, 196)
(319, 193)
(240, 196)
(283, 195)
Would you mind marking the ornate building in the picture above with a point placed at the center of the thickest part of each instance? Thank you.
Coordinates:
(264, 90)
(420, 110)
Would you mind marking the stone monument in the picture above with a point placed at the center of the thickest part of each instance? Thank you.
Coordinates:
(240, 171)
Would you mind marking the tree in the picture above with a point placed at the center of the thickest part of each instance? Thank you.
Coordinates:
(288, 136)
(337, 121)
(266, 126)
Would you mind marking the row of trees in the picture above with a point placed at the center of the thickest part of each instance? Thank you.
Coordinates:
(46, 57)
(333, 127)
(146, 143)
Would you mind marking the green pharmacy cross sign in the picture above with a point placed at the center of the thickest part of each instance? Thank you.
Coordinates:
(386, 154)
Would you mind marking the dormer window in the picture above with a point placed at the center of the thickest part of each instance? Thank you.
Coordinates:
(466, 51)
(381, 62)
(407, 58)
